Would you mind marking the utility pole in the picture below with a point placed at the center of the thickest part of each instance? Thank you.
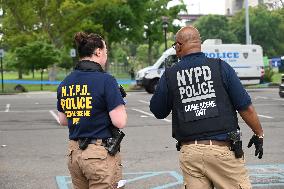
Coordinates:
(2, 77)
(248, 37)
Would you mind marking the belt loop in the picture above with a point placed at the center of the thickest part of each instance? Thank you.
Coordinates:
(99, 142)
(195, 142)
(210, 142)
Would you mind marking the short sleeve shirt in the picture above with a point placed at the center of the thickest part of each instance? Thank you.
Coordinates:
(86, 98)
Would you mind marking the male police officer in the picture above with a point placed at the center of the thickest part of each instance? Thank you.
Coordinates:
(91, 104)
(203, 95)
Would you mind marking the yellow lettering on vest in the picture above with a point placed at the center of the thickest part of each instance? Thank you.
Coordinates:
(62, 103)
(76, 121)
(74, 104)
(87, 113)
(63, 91)
(80, 103)
(79, 113)
(88, 102)
(78, 89)
(70, 113)
(84, 91)
(68, 103)
(71, 87)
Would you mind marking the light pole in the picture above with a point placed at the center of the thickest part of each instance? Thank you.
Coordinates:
(2, 77)
(165, 25)
(248, 37)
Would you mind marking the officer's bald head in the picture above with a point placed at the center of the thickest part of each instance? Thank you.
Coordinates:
(187, 41)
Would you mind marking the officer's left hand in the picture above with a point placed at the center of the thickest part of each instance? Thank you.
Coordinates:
(258, 143)
(122, 91)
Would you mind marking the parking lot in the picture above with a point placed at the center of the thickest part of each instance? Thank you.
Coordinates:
(33, 145)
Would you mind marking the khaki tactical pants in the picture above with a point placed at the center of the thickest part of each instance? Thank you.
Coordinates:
(209, 166)
(93, 168)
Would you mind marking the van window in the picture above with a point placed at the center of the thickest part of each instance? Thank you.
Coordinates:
(169, 61)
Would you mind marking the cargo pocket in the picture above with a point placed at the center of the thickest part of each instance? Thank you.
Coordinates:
(95, 162)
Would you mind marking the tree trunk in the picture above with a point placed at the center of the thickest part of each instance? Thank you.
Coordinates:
(20, 73)
(33, 71)
(41, 79)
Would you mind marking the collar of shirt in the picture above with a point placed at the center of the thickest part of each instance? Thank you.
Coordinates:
(188, 56)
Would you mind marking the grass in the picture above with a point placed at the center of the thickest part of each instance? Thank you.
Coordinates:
(14, 76)
(9, 88)
(61, 74)
(276, 78)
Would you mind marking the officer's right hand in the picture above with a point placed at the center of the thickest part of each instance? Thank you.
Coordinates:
(258, 143)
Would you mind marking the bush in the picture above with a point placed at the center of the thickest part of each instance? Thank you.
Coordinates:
(268, 74)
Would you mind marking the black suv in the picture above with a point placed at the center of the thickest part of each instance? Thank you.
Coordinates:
(281, 87)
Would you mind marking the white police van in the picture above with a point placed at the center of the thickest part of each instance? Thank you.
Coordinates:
(247, 61)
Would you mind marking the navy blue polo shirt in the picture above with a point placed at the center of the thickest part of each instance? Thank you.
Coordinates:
(86, 98)
(161, 101)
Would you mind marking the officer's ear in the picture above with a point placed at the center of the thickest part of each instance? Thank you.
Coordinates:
(178, 47)
(97, 52)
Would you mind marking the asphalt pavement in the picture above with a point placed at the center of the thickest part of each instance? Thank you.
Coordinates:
(33, 145)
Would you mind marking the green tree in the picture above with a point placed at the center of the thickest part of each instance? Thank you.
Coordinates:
(215, 27)
(37, 55)
(266, 29)
(154, 12)
(65, 60)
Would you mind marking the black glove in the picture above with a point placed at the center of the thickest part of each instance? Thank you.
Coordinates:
(258, 143)
(122, 91)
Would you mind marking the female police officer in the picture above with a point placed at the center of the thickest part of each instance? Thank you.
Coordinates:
(89, 102)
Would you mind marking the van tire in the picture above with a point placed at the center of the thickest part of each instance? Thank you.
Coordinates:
(152, 86)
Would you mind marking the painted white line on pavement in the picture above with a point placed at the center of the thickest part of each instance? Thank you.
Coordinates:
(268, 117)
(145, 102)
(26, 111)
(7, 107)
(55, 116)
(149, 114)
(255, 104)
(260, 97)
(279, 99)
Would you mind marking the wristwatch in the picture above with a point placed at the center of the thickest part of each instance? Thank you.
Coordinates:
(260, 136)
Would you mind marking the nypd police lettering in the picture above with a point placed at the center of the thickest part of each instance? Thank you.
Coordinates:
(195, 84)
(76, 102)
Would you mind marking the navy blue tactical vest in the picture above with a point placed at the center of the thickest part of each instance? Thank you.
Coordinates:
(201, 105)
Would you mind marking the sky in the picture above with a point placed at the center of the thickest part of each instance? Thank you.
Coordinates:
(202, 6)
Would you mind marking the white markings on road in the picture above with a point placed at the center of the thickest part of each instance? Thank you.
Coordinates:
(260, 97)
(143, 116)
(149, 114)
(26, 111)
(55, 116)
(145, 102)
(264, 116)
(279, 99)
(7, 107)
